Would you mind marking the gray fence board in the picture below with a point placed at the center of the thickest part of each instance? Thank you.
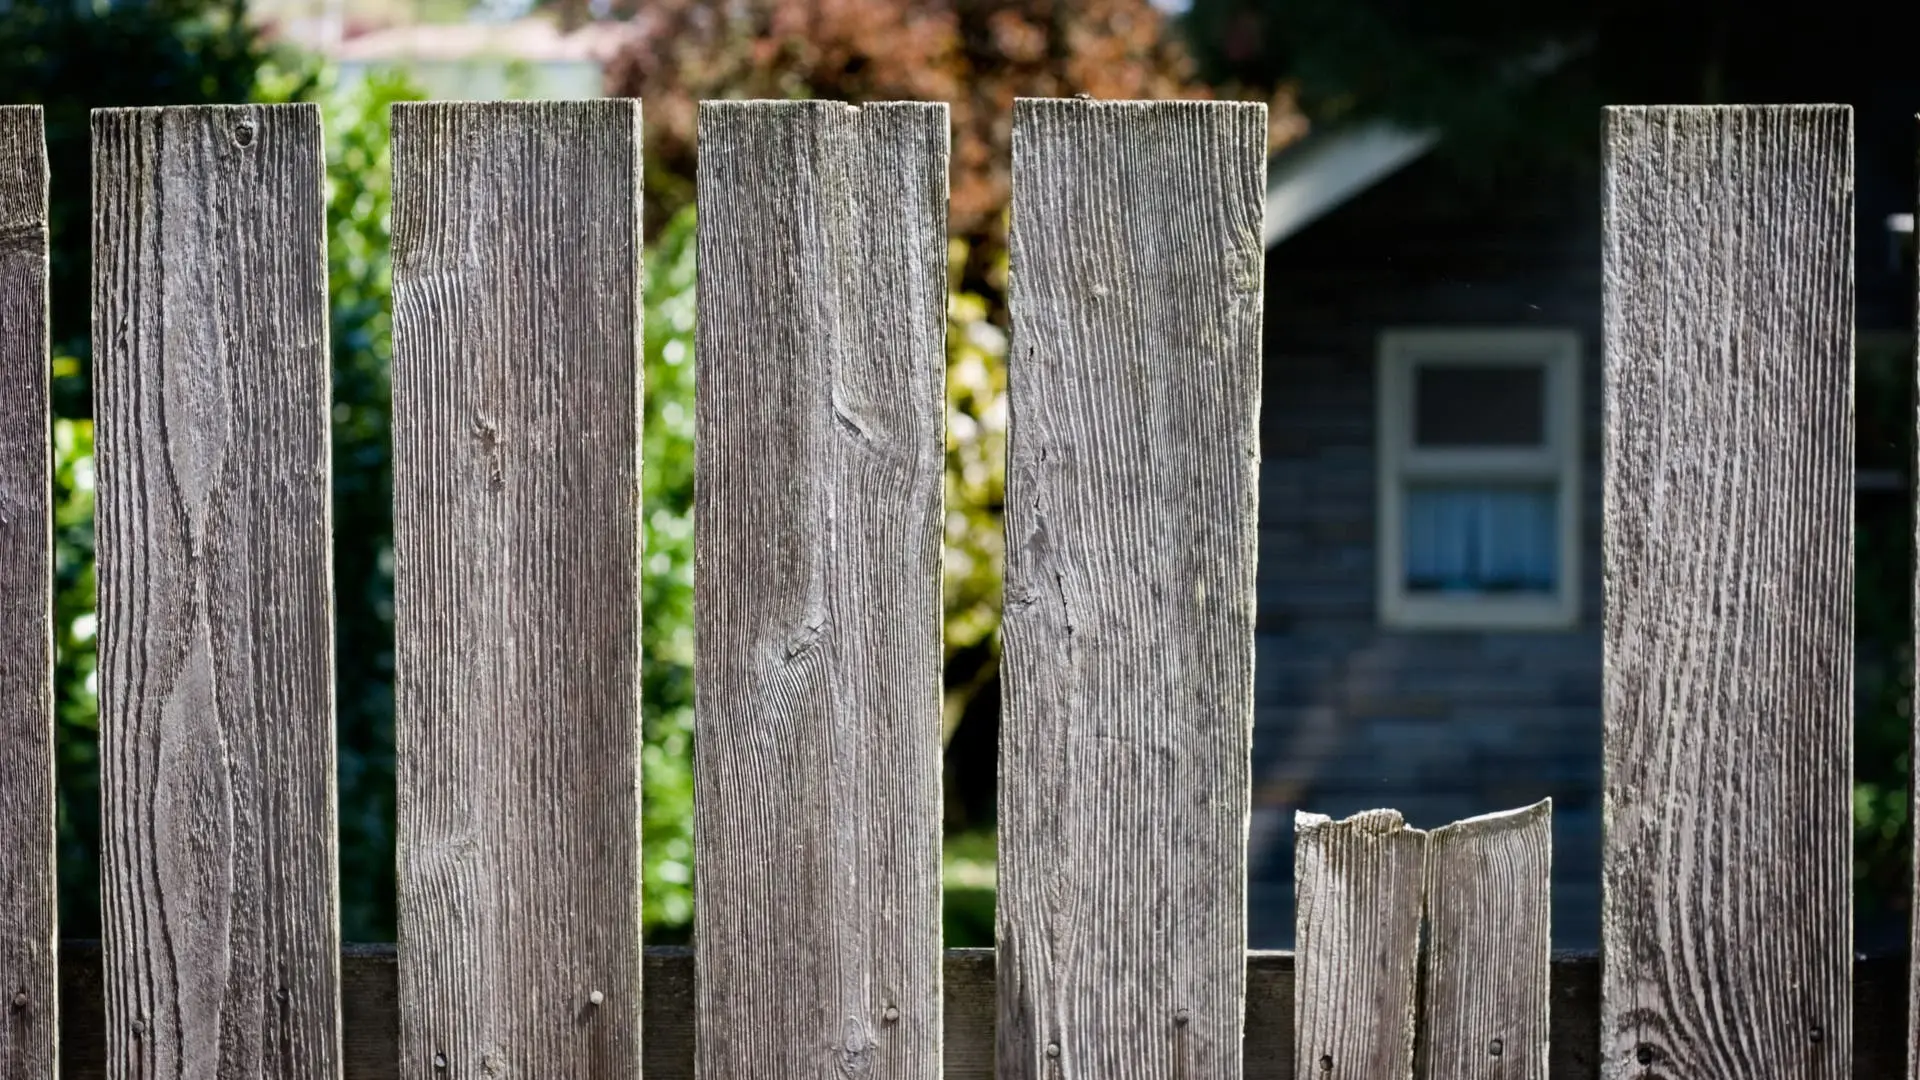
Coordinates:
(1128, 634)
(216, 623)
(517, 393)
(1361, 885)
(1485, 996)
(1728, 624)
(822, 365)
(28, 884)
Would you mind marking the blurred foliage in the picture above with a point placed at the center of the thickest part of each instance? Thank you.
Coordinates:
(967, 894)
(976, 424)
(976, 55)
(76, 709)
(360, 283)
(75, 57)
(72, 58)
(1883, 629)
(666, 583)
(359, 289)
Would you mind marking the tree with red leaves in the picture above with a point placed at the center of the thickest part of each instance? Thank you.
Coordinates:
(976, 55)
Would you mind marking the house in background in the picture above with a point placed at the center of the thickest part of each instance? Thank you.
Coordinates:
(1429, 633)
(529, 58)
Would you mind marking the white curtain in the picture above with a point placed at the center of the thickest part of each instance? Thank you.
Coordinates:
(1481, 539)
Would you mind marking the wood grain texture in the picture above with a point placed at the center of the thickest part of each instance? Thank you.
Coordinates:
(28, 885)
(1486, 996)
(1360, 886)
(1128, 635)
(1727, 911)
(370, 1016)
(517, 382)
(215, 590)
(817, 765)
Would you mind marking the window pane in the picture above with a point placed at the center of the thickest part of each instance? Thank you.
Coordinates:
(1475, 405)
(1481, 538)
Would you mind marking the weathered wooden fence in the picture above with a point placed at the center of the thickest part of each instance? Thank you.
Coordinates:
(1131, 518)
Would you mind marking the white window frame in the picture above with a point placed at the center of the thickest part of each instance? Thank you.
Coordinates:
(1401, 352)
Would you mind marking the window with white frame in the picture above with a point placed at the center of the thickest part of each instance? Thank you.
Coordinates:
(1479, 478)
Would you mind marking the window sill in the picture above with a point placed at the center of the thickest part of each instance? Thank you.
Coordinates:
(1534, 613)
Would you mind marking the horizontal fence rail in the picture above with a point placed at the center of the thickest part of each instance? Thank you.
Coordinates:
(370, 994)
(1132, 520)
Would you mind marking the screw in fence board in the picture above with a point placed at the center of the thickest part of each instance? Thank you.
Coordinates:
(1134, 387)
(28, 886)
(517, 383)
(1728, 281)
(817, 581)
(1361, 889)
(1486, 999)
(216, 601)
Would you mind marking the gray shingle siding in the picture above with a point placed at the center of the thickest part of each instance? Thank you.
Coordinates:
(1352, 715)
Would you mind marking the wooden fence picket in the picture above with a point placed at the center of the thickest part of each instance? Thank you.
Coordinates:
(1485, 1000)
(817, 763)
(1361, 887)
(216, 599)
(517, 383)
(1134, 387)
(1726, 923)
(29, 1033)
